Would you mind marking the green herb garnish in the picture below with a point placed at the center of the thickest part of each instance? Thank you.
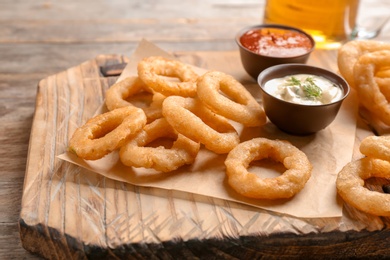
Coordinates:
(308, 86)
(294, 81)
(311, 89)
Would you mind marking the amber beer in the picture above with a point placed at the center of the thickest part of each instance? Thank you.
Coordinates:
(329, 21)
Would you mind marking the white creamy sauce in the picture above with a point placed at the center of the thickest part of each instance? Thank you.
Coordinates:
(304, 89)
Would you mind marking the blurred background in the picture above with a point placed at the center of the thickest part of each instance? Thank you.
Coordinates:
(60, 33)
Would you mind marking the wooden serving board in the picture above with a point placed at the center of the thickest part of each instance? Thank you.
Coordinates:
(68, 212)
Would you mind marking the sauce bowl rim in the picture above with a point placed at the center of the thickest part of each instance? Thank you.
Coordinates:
(278, 26)
(303, 67)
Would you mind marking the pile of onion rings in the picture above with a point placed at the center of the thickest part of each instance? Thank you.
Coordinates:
(366, 66)
(167, 89)
(350, 182)
(189, 111)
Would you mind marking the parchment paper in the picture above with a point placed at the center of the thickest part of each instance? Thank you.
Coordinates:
(328, 151)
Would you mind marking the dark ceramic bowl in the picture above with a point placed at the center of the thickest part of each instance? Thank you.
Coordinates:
(255, 63)
(300, 119)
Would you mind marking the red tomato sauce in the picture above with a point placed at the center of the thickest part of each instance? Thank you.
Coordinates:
(276, 42)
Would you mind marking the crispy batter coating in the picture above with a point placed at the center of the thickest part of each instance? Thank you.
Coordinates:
(250, 185)
(237, 104)
(369, 92)
(376, 147)
(366, 67)
(120, 94)
(136, 153)
(350, 53)
(191, 118)
(154, 71)
(106, 132)
(350, 185)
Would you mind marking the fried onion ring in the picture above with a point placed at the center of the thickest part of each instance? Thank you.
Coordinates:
(350, 53)
(118, 94)
(243, 108)
(154, 111)
(151, 70)
(350, 185)
(191, 118)
(384, 86)
(376, 147)
(368, 90)
(106, 132)
(136, 153)
(250, 185)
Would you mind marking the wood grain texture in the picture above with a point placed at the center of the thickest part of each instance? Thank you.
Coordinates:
(71, 213)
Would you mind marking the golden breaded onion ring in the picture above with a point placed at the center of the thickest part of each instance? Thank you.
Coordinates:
(154, 70)
(367, 88)
(350, 185)
(242, 108)
(191, 118)
(350, 53)
(250, 185)
(106, 132)
(118, 95)
(136, 153)
(376, 147)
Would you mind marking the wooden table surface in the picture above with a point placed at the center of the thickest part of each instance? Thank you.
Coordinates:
(41, 38)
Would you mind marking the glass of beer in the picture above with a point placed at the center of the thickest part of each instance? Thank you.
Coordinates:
(329, 22)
